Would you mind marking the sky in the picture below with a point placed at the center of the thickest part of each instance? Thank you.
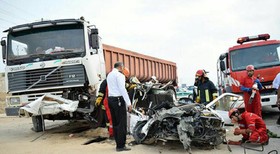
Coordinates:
(191, 33)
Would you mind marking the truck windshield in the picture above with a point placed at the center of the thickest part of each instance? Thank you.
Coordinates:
(259, 56)
(46, 43)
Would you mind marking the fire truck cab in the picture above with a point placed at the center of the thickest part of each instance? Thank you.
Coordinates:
(259, 51)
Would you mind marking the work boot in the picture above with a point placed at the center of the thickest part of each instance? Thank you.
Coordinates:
(243, 140)
(266, 143)
(123, 149)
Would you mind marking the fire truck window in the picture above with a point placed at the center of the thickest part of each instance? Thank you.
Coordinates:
(269, 55)
(278, 52)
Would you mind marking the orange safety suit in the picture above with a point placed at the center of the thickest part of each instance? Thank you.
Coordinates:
(256, 125)
(255, 106)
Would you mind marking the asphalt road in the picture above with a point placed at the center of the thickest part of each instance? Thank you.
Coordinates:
(60, 137)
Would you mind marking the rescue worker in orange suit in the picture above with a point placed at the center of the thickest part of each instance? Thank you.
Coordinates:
(247, 87)
(102, 99)
(251, 127)
(206, 90)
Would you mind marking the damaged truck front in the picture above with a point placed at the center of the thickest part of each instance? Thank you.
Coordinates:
(52, 58)
(54, 69)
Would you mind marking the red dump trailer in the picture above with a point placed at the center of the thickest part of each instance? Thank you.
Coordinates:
(140, 65)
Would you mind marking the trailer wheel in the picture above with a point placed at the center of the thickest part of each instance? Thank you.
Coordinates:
(37, 123)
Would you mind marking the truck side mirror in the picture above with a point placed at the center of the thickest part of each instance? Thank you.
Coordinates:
(3, 44)
(94, 38)
(222, 66)
(222, 56)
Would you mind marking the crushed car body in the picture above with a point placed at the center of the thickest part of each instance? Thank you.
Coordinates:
(190, 123)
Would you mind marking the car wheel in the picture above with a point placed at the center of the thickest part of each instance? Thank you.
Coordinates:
(137, 135)
(185, 101)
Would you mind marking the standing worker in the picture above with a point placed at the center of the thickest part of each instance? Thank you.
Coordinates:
(119, 102)
(276, 85)
(252, 98)
(251, 127)
(206, 90)
(102, 99)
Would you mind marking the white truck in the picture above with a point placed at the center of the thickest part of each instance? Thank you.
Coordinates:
(64, 60)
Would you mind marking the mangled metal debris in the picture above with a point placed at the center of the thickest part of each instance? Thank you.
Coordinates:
(49, 104)
(188, 123)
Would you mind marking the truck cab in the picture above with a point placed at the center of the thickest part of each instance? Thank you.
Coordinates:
(59, 57)
(259, 51)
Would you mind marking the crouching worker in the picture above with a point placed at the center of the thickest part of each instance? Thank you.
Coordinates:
(251, 127)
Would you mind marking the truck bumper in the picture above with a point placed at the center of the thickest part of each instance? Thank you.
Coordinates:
(269, 100)
(12, 111)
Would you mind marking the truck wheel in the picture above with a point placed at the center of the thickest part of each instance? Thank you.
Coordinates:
(37, 123)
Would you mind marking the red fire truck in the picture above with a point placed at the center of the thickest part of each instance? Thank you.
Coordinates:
(259, 51)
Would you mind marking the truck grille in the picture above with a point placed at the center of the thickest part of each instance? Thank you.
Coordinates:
(55, 77)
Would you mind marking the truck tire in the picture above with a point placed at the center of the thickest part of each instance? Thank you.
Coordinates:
(37, 123)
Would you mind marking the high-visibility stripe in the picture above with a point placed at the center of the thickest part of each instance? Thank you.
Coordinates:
(251, 125)
(259, 138)
(207, 95)
(241, 125)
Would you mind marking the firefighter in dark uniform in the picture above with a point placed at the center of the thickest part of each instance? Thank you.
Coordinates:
(206, 90)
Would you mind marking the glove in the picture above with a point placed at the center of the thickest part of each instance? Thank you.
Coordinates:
(246, 89)
(259, 84)
(197, 99)
(131, 86)
(238, 131)
(257, 81)
(98, 101)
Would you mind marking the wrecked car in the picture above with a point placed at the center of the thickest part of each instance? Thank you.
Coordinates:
(190, 123)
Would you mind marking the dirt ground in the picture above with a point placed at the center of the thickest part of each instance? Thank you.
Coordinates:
(2, 102)
(17, 137)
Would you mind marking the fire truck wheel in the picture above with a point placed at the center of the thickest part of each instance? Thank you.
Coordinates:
(37, 123)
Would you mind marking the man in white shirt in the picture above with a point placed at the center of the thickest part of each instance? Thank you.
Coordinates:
(276, 85)
(119, 103)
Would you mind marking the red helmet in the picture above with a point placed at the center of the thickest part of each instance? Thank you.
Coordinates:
(250, 68)
(199, 73)
(232, 111)
(126, 72)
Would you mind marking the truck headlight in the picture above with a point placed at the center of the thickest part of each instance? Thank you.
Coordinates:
(14, 101)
